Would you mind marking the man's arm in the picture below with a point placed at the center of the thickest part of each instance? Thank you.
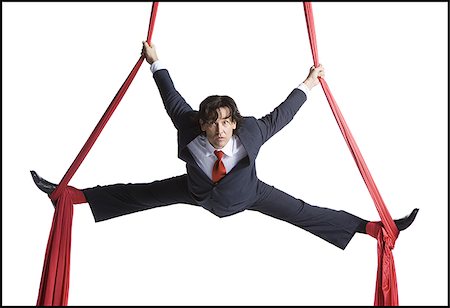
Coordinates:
(175, 105)
(285, 112)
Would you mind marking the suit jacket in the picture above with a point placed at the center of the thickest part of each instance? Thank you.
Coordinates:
(240, 188)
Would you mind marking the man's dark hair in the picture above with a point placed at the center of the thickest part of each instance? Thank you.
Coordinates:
(209, 106)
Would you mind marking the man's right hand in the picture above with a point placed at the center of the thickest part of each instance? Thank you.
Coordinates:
(313, 77)
(149, 52)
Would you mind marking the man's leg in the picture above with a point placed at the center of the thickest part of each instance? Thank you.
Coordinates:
(336, 227)
(120, 199)
(111, 201)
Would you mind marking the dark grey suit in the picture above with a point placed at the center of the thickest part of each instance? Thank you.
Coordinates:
(239, 190)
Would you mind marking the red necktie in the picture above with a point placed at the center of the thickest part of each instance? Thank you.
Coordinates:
(219, 170)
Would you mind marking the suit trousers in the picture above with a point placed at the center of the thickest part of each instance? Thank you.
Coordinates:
(336, 227)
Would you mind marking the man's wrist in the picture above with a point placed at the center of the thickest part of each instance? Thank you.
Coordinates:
(303, 87)
(156, 66)
(309, 83)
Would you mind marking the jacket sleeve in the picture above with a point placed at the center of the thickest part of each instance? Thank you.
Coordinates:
(273, 122)
(175, 105)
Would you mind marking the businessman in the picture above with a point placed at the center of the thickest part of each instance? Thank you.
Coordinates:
(220, 147)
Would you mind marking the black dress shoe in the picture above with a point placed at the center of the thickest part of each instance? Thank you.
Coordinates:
(402, 223)
(405, 222)
(43, 184)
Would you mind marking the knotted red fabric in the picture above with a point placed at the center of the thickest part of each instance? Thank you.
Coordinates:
(386, 232)
(219, 170)
(54, 286)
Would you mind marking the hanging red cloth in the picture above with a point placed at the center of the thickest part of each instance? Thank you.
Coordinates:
(386, 293)
(54, 286)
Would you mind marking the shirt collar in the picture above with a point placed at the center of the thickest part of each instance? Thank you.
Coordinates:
(227, 149)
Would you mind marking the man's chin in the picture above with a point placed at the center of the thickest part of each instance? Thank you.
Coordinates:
(220, 144)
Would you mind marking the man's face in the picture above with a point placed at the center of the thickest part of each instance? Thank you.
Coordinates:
(220, 132)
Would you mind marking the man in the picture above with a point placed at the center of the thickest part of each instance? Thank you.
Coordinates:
(220, 147)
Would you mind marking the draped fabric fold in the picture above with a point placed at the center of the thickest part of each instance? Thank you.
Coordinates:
(386, 293)
(54, 286)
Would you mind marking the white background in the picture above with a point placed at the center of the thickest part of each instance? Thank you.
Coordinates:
(386, 65)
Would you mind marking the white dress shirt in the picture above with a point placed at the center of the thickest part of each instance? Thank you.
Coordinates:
(203, 153)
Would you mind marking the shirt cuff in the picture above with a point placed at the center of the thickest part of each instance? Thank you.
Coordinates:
(156, 66)
(304, 88)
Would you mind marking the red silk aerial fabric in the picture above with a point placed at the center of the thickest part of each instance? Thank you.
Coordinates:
(54, 286)
(386, 293)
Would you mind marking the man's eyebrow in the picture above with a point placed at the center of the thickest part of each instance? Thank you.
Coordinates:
(226, 118)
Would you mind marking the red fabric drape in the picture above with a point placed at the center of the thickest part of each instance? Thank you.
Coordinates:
(54, 286)
(386, 293)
